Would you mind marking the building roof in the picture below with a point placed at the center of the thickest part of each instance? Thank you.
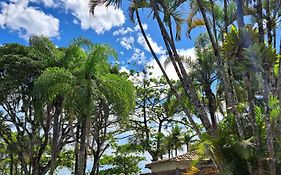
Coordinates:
(189, 156)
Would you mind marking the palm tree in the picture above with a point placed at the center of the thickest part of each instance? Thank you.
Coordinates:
(172, 51)
(85, 78)
(176, 139)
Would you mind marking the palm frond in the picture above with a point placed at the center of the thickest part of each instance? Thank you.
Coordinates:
(141, 4)
(94, 3)
(54, 81)
(193, 24)
(119, 92)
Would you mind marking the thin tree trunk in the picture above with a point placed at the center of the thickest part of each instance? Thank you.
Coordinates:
(229, 92)
(269, 135)
(260, 21)
(225, 15)
(214, 21)
(269, 22)
(82, 150)
(211, 105)
(186, 81)
(76, 149)
(187, 113)
(11, 164)
(56, 131)
(146, 130)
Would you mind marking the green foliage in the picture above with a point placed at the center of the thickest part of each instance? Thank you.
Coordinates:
(66, 159)
(18, 69)
(73, 58)
(258, 54)
(119, 92)
(44, 49)
(54, 82)
(123, 161)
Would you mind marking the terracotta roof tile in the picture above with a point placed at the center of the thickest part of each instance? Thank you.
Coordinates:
(191, 155)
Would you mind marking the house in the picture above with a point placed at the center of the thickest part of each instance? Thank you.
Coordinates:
(182, 164)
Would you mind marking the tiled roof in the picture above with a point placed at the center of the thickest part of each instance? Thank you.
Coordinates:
(191, 155)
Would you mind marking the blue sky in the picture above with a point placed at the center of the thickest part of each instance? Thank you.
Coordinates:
(64, 20)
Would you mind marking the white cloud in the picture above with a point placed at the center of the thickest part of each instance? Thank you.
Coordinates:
(127, 42)
(137, 27)
(188, 53)
(122, 31)
(156, 71)
(104, 19)
(46, 3)
(138, 57)
(26, 20)
(157, 49)
(124, 69)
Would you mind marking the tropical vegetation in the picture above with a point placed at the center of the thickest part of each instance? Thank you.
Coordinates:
(70, 107)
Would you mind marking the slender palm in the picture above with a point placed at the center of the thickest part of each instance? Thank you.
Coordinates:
(81, 85)
(176, 139)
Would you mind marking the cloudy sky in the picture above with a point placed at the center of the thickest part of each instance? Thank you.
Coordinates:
(63, 20)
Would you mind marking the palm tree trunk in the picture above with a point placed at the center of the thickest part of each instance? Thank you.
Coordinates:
(187, 113)
(269, 135)
(56, 130)
(214, 21)
(186, 81)
(211, 105)
(11, 163)
(225, 16)
(229, 91)
(76, 149)
(256, 132)
(82, 150)
(260, 21)
(269, 22)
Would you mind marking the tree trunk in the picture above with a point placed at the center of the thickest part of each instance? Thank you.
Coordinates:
(260, 21)
(193, 124)
(225, 16)
(269, 135)
(214, 21)
(96, 163)
(11, 164)
(212, 106)
(269, 22)
(76, 149)
(82, 150)
(185, 80)
(230, 94)
(56, 131)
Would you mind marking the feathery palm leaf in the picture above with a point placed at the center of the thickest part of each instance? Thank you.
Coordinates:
(94, 3)
(119, 92)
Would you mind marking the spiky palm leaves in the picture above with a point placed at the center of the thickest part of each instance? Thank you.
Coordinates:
(83, 78)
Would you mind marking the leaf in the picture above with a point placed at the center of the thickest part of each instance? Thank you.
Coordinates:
(193, 24)
(119, 92)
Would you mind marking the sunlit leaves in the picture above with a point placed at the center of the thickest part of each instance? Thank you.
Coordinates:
(231, 45)
(53, 82)
(119, 92)
(257, 55)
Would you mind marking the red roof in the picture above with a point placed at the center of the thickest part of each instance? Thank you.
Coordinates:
(191, 155)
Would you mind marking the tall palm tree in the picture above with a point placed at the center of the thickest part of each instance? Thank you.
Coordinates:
(173, 53)
(176, 139)
(85, 78)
